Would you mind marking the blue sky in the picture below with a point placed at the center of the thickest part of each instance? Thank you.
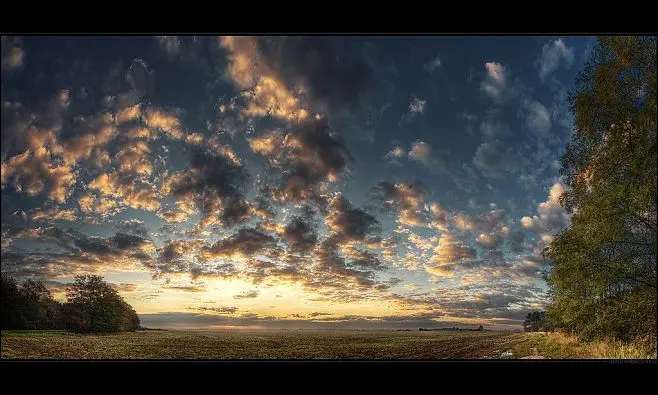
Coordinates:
(270, 182)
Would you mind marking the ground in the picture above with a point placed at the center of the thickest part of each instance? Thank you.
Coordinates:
(275, 345)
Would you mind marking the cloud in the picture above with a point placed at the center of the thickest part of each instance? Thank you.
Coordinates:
(396, 153)
(133, 191)
(494, 159)
(247, 295)
(463, 221)
(93, 206)
(308, 158)
(243, 244)
(538, 118)
(406, 199)
(75, 253)
(552, 54)
(347, 223)
(332, 79)
(433, 65)
(12, 53)
(489, 240)
(52, 214)
(133, 226)
(552, 216)
(214, 184)
(264, 91)
(450, 253)
(422, 152)
(496, 84)
(417, 106)
(300, 234)
(515, 240)
(170, 44)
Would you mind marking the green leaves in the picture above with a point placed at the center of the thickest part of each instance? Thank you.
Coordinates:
(603, 279)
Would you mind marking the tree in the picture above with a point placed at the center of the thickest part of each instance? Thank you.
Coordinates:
(11, 301)
(535, 321)
(93, 305)
(603, 275)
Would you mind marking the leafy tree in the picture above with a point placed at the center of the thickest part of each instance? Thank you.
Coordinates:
(11, 302)
(603, 275)
(535, 322)
(40, 310)
(93, 305)
(29, 306)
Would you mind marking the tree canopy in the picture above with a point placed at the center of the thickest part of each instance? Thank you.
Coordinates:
(92, 306)
(603, 275)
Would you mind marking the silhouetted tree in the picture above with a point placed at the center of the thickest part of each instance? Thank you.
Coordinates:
(11, 302)
(93, 305)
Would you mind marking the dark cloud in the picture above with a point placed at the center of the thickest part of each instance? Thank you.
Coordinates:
(215, 183)
(494, 159)
(308, 156)
(349, 224)
(224, 310)
(334, 75)
(244, 243)
(300, 234)
(247, 295)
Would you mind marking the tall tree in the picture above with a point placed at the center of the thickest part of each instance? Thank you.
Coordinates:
(93, 305)
(603, 277)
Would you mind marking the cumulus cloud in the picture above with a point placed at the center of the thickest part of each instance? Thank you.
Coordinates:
(406, 199)
(489, 240)
(422, 152)
(308, 157)
(538, 118)
(450, 253)
(76, 253)
(265, 92)
(552, 216)
(552, 55)
(215, 185)
(494, 159)
(497, 83)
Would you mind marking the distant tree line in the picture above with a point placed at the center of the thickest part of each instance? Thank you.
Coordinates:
(454, 328)
(92, 306)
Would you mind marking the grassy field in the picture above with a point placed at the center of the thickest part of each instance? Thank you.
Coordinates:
(284, 345)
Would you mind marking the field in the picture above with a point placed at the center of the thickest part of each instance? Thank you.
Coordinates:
(258, 345)
(285, 345)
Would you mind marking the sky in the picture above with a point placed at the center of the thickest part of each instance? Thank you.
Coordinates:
(289, 182)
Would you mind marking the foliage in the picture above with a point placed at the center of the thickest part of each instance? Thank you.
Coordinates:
(29, 306)
(535, 322)
(93, 305)
(603, 276)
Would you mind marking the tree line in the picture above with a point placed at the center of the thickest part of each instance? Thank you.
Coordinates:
(602, 279)
(92, 305)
